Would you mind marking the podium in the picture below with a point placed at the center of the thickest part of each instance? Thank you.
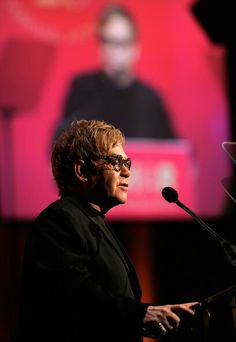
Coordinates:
(156, 164)
(229, 183)
(215, 320)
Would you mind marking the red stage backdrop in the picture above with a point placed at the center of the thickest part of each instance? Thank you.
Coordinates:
(43, 43)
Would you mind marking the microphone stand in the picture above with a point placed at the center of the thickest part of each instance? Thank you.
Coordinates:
(228, 248)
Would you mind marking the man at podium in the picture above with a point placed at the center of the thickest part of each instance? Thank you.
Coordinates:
(113, 93)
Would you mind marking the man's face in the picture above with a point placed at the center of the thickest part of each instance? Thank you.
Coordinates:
(110, 185)
(118, 48)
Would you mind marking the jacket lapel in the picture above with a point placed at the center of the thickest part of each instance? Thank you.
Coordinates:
(115, 244)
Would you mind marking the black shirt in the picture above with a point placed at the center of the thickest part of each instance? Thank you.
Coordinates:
(136, 110)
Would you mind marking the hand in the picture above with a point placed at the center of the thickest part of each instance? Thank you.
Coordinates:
(162, 319)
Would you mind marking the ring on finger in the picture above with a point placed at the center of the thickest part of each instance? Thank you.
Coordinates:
(162, 328)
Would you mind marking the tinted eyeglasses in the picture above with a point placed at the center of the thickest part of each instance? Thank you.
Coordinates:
(116, 42)
(117, 161)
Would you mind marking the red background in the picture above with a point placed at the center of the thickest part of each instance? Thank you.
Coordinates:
(177, 57)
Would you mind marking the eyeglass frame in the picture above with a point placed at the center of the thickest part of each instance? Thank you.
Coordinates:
(113, 159)
(124, 43)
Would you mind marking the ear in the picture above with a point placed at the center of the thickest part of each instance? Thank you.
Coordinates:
(80, 171)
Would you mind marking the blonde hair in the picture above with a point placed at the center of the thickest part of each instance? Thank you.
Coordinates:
(116, 10)
(82, 140)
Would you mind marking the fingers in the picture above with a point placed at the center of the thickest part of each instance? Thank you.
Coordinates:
(166, 318)
(188, 308)
(162, 314)
(169, 319)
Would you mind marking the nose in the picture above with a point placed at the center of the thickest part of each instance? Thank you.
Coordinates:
(125, 171)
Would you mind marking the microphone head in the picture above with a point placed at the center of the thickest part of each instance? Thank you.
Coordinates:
(170, 194)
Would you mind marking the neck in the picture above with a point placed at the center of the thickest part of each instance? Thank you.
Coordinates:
(100, 208)
(121, 79)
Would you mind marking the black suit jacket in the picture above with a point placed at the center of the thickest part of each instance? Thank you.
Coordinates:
(137, 110)
(78, 283)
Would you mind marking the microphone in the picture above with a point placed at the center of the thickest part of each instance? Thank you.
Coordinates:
(171, 196)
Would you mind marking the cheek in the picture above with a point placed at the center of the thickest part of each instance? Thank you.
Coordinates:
(130, 57)
(111, 184)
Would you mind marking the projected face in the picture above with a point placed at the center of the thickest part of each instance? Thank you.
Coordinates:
(118, 46)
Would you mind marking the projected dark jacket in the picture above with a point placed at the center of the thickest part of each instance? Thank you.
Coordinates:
(136, 110)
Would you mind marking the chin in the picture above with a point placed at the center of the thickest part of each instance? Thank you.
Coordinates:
(122, 200)
(115, 71)
(118, 200)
